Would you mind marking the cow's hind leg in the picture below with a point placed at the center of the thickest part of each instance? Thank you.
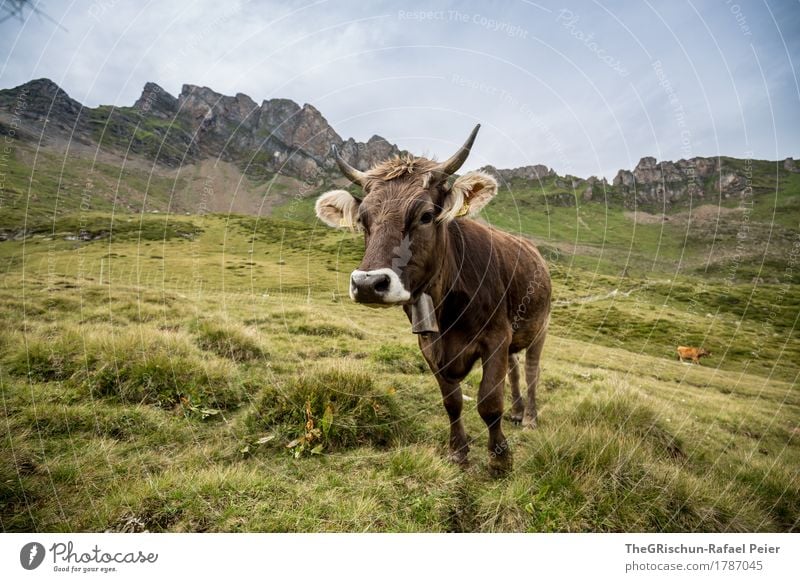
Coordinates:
(517, 402)
(532, 355)
(453, 403)
(490, 407)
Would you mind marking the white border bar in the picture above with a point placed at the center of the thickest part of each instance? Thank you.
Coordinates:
(403, 557)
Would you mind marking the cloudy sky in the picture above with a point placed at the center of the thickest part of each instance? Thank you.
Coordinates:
(584, 87)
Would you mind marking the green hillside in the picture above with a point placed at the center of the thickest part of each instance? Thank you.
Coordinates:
(168, 367)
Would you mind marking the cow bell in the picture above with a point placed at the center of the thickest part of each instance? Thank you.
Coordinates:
(423, 316)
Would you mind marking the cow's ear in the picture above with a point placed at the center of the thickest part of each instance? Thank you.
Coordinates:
(338, 208)
(468, 195)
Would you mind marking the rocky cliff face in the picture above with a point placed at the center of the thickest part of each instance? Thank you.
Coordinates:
(40, 99)
(527, 173)
(653, 183)
(698, 179)
(38, 107)
(157, 102)
(278, 136)
(282, 135)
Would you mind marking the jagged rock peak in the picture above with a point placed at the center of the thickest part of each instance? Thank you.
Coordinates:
(198, 90)
(41, 98)
(194, 95)
(43, 85)
(157, 101)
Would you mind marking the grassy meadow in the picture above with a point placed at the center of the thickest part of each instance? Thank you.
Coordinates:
(209, 373)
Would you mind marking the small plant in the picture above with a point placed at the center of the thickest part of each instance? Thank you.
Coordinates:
(248, 446)
(312, 439)
(201, 412)
(329, 411)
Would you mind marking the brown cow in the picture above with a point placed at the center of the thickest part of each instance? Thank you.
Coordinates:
(694, 354)
(490, 290)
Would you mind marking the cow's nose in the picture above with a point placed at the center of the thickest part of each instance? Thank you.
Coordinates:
(369, 286)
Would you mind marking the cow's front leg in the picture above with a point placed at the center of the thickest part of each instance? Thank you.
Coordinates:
(453, 403)
(490, 407)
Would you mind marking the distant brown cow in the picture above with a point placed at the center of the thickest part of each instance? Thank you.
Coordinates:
(471, 291)
(694, 354)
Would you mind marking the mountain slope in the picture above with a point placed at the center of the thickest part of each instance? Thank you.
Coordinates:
(205, 152)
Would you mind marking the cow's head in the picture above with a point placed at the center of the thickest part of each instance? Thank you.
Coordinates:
(405, 211)
(703, 352)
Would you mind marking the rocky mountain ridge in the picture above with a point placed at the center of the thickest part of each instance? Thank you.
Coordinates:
(279, 136)
(654, 184)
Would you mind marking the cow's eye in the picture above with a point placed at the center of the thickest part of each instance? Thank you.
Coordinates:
(426, 218)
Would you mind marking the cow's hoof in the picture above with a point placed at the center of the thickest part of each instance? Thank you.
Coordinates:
(500, 466)
(515, 417)
(459, 457)
(529, 423)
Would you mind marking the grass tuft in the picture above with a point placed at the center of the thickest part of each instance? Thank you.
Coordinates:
(136, 366)
(53, 356)
(345, 407)
(622, 413)
(228, 341)
(163, 369)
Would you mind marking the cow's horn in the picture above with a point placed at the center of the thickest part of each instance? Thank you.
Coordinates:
(349, 172)
(451, 166)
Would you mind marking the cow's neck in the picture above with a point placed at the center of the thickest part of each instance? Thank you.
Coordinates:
(446, 279)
